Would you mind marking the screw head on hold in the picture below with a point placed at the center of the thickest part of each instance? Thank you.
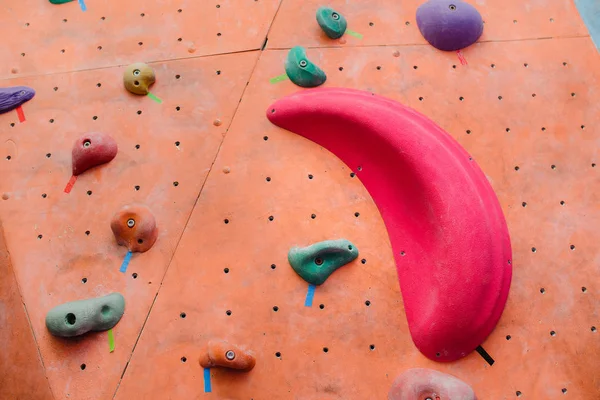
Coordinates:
(136, 72)
(303, 63)
(335, 16)
(230, 355)
(87, 143)
(131, 222)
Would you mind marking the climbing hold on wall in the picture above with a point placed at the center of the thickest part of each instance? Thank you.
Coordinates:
(134, 227)
(219, 353)
(427, 384)
(138, 78)
(449, 24)
(301, 70)
(91, 150)
(78, 317)
(316, 262)
(333, 23)
(13, 97)
(446, 226)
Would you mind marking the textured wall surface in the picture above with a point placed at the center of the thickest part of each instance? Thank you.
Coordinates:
(523, 103)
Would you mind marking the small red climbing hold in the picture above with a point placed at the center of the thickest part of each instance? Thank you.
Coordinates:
(91, 150)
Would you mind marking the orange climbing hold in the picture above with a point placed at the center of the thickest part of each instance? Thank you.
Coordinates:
(134, 227)
(219, 353)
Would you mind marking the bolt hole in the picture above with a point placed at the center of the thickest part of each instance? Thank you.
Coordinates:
(518, 393)
(415, 67)
(182, 315)
(87, 233)
(51, 120)
(273, 266)
(542, 290)
(139, 112)
(89, 192)
(218, 72)
(175, 183)
(268, 179)
(341, 68)
(40, 236)
(508, 337)
(378, 67)
(420, 98)
(356, 214)
(371, 24)
(140, 43)
(177, 76)
(593, 329)
(278, 354)
(177, 108)
(226, 220)
(352, 174)
(275, 308)
(140, 241)
(98, 84)
(367, 303)
(533, 249)
(583, 289)
(136, 187)
(553, 166)
(524, 204)
(99, 47)
(461, 98)
(552, 333)
(517, 168)
(310, 176)
(82, 366)
(183, 359)
(499, 97)
(137, 146)
(8, 157)
(526, 65)
(313, 216)
(95, 117)
(493, 65)
(437, 354)
(265, 138)
(321, 306)
(219, 34)
(453, 66)
(562, 203)
(70, 318)
(271, 218)
(325, 350)
(44, 195)
(372, 347)
(228, 312)
(134, 275)
(226, 270)
(468, 131)
(84, 280)
(572, 247)
(364, 261)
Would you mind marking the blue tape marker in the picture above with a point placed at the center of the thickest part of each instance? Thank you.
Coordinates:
(82, 5)
(207, 387)
(125, 262)
(309, 295)
(590, 13)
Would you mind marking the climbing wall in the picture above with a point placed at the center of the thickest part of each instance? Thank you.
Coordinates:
(232, 193)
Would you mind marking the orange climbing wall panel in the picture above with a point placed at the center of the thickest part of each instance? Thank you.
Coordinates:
(525, 107)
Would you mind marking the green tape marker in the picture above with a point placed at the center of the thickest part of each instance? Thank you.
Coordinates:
(111, 340)
(279, 78)
(153, 97)
(355, 34)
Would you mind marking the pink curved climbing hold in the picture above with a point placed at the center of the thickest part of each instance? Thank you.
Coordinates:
(423, 384)
(446, 227)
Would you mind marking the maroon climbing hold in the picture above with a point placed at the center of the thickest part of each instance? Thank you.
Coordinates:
(421, 383)
(91, 150)
(13, 97)
(449, 24)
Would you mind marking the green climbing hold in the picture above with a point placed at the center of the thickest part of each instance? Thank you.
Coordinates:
(301, 70)
(60, 1)
(333, 23)
(316, 262)
(78, 317)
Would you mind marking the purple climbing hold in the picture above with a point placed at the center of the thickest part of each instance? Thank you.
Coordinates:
(13, 97)
(449, 24)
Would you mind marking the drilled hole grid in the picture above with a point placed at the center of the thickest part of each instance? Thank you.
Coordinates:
(430, 98)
